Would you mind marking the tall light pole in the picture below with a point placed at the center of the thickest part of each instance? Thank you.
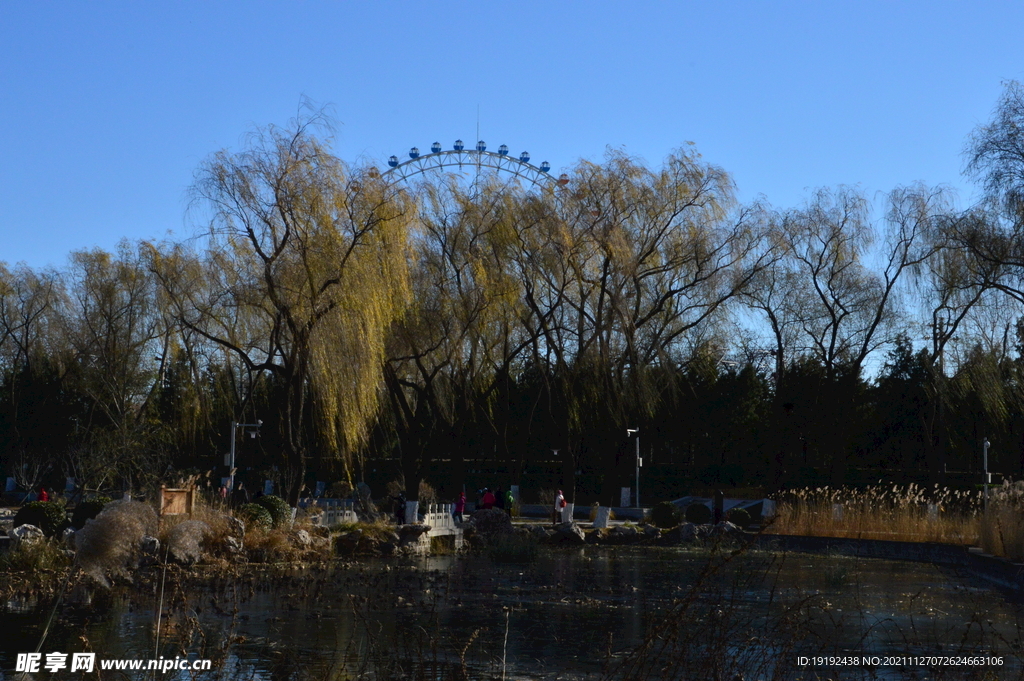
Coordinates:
(988, 476)
(231, 462)
(631, 431)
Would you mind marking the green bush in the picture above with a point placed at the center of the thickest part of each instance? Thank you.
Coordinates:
(665, 514)
(87, 510)
(256, 515)
(35, 556)
(739, 517)
(279, 510)
(48, 516)
(698, 514)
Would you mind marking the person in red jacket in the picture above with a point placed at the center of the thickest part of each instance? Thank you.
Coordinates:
(43, 494)
(487, 501)
(460, 507)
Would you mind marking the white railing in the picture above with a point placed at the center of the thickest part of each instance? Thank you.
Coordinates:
(439, 517)
(329, 514)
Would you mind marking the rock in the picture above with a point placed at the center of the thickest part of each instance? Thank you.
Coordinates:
(410, 534)
(149, 546)
(570, 533)
(302, 539)
(348, 542)
(651, 532)
(491, 522)
(68, 537)
(726, 529)
(232, 545)
(623, 534)
(682, 534)
(29, 534)
(236, 527)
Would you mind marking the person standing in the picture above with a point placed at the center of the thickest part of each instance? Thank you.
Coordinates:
(400, 503)
(510, 501)
(240, 496)
(488, 499)
(559, 505)
(43, 494)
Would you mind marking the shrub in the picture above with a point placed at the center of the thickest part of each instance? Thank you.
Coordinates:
(108, 545)
(739, 517)
(256, 515)
(699, 514)
(87, 510)
(34, 557)
(184, 541)
(48, 516)
(665, 514)
(279, 510)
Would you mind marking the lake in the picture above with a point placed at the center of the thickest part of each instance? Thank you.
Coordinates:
(592, 612)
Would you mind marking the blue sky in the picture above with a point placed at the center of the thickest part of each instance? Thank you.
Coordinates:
(108, 108)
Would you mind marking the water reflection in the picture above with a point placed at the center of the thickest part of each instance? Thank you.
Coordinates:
(570, 614)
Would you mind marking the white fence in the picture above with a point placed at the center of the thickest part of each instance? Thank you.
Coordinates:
(330, 513)
(439, 517)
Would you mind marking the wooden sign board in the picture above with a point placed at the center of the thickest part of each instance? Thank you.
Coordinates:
(177, 501)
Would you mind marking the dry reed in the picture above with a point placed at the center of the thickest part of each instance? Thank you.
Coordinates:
(1002, 532)
(911, 513)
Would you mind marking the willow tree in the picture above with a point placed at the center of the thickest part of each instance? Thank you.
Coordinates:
(303, 272)
(450, 356)
(630, 266)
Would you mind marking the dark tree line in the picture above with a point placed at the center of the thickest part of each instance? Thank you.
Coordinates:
(374, 326)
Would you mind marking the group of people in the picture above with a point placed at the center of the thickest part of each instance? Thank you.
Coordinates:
(488, 499)
(497, 499)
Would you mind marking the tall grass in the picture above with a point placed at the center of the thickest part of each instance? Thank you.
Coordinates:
(1002, 532)
(910, 513)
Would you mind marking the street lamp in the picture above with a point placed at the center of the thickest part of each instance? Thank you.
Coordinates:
(639, 462)
(988, 476)
(231, 462)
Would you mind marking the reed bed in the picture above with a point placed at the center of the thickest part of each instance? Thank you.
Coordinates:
(1002, 532)
(898, 513)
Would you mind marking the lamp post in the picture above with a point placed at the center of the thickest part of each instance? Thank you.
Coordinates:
(231, 462)
(631, 431)
(988, 476)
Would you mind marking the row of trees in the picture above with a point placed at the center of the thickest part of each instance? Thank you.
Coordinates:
(455, 320)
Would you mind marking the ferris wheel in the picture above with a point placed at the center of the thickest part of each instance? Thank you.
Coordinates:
(461, 157)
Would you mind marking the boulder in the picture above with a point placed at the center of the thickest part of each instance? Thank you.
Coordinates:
(348, 542)
(235, 527)
(68, 538)
(491, 522)
(570, 533)
(149, 546)
(302, 539)
(542, 534)
(232, 545)
(410, 534)
(726, 529)
(25, 533)
(623, 534)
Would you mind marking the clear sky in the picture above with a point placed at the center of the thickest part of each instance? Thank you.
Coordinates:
(106, 109)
